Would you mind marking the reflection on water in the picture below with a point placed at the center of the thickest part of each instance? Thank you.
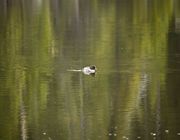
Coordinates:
(134, 94)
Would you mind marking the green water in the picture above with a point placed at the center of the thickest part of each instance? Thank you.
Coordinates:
(135, 46)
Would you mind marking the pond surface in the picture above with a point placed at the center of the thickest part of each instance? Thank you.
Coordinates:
(135, 92)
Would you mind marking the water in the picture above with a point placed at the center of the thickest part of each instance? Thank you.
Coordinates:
(135, 93)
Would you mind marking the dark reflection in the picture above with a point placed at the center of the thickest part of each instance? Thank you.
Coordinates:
(134, 45)
(173, 79)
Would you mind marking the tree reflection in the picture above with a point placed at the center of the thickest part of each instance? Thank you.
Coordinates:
(39, 40)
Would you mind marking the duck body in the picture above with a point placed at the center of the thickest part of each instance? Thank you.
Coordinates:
(89, 70)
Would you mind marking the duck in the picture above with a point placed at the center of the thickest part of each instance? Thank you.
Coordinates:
(89, 70)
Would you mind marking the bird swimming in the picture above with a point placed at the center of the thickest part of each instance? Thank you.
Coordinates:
(88, 70)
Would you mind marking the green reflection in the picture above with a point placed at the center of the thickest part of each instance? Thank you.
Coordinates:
(26, 64)
(40, 40)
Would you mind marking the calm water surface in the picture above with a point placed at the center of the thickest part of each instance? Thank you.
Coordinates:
(135, 93)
